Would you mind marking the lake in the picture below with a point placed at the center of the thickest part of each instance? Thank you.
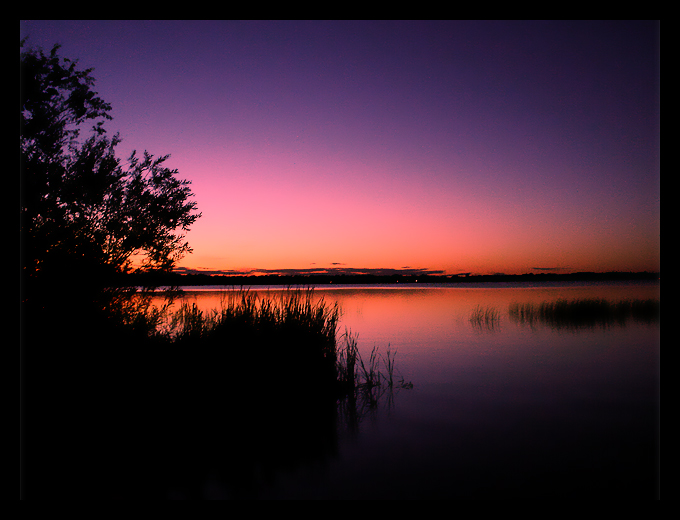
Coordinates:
(499, 408)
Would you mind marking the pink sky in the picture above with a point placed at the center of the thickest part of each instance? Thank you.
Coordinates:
(447, 146)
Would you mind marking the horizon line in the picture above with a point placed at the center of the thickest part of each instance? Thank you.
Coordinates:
(375, 271)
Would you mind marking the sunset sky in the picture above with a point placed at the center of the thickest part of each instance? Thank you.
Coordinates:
(447, 147)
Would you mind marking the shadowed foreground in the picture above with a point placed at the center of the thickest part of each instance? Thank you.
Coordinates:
(234, 404)
(211, 407)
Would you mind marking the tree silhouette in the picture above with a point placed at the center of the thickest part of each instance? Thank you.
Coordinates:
(85, 215)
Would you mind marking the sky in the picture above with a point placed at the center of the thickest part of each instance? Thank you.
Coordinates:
(423, 146)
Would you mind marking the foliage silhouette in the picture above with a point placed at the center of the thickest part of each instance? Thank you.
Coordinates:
(86, 216)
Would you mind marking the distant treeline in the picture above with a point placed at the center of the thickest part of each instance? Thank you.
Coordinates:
(159, 279)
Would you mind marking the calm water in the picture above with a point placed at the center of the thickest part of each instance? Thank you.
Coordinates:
(497, 410)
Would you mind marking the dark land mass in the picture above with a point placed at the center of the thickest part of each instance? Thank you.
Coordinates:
(175, 279)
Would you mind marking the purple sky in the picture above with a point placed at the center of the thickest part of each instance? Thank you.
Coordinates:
(447, 146)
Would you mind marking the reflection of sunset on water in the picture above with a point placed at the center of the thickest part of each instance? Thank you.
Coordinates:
(434, 323)
(484, 399)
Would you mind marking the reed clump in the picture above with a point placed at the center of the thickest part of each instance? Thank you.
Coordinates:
(485, 318)
(362, 383)
(294, 311)
(585, 312)
(179, 393)
(289, 339)
(355, 373)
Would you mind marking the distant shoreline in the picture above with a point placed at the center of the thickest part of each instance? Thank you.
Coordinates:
(175, 279)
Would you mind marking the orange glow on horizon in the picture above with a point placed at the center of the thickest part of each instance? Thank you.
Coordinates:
(454, 146)
(247, 225)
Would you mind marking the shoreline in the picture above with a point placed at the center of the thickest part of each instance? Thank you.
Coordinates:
(320, 280)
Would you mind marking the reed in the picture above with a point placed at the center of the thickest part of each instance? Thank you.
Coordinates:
(241, 311)
(347, 357)
(291, 337)
(355, 373)
(485, 317)
(586, 312)
(257, 383)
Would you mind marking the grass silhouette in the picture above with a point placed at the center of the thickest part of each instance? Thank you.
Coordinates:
(484, 318)
(150, 401)
(292, 337)
(585, 312)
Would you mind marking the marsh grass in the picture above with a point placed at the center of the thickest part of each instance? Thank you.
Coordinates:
(289, 338)
(376, 371)
(485, 318)
(167, 394)
(363, 382)
(584, 313)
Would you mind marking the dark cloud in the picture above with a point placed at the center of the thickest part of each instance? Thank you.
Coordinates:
(203, 270)
(312, 271)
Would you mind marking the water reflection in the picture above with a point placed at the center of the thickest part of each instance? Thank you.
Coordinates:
(237, 443)
(264, 441)
(501, 407)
